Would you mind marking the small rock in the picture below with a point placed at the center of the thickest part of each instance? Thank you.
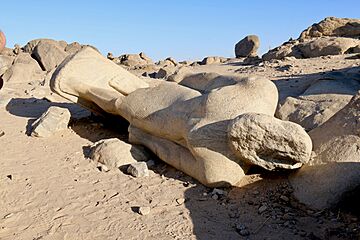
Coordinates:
(180, 201)
(8, 215)
(164, 72)
(17, 49)
(53, 120)
(144, 210)
(115, 153)
(240, 227)
(262, 209)
(150, 163)
(287, 216)
(2, 133)
(284, 198)
(215, 197)
(219, 192)
(110, 56)
(244, 232)
(103, 168)
(233, 215)
(138, 169)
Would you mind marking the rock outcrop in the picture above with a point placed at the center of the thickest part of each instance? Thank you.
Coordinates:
(321, 100)
(332, 26)
(335, 166)
(331, 36)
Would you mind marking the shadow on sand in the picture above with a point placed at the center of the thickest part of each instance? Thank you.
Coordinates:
(83, 123)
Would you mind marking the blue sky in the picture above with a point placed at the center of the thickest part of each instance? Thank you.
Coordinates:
(186, 29)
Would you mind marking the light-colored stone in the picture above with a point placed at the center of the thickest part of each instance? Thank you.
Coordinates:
(144, 210)
(55, 119)
(248, 46)
(268, 142)
(115, 153)
(335, 166)
(138, 169)
(180, 201)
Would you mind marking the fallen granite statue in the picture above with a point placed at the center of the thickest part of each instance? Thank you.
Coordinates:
(214, 136)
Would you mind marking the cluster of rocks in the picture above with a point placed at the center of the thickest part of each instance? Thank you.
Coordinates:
(331, 36)
(35, 62)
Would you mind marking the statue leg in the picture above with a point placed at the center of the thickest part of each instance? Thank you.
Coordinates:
(210, 170)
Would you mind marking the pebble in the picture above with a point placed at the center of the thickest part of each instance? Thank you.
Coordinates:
(103, 168)
(180, 201)
(138, 169)
(244, 233)
(262, 209)
(284, 198)
(287, 216)
(144, 210)
(215, 197)
(150, 163)
(218, 191)
(240, 227)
